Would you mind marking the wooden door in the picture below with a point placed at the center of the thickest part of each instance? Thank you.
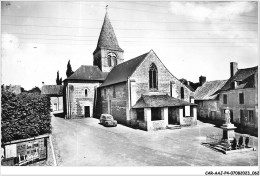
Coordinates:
(87, 111)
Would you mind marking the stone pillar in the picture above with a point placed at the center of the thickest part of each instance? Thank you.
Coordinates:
(194, 115)
(148, 118)
(181, 115)
(165, 116)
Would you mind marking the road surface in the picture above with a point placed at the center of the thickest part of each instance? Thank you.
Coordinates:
(84, 142)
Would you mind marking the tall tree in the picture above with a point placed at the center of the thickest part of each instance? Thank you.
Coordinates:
(58, 80)
(69, 71)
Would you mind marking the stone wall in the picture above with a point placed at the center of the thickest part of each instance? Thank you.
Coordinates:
(209, 109)
(76, 99)
(165, 79)
(100, 59)
(114, 101)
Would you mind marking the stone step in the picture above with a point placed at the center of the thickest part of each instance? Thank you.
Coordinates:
(172, 127)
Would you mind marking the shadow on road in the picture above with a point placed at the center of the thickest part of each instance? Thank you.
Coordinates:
(59, 114)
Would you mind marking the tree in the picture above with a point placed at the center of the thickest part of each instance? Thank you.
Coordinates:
(35, 90)
(69, 71)
(58, 79)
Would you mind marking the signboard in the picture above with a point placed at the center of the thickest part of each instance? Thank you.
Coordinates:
(26, 151)
(187, 110)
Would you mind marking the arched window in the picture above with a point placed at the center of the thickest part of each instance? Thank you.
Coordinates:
(115, 61)
(153, 77)
(109, 61)
(182, 93)
(86, 92)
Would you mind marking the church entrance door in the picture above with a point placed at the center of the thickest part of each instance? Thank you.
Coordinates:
(87, 111)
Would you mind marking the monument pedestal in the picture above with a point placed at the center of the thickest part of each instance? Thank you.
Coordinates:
(228, 131)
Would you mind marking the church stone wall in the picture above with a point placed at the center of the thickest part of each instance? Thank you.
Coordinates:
(78, 100)
(165, 79)
(114, 101)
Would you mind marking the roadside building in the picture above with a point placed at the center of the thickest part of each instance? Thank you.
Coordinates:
(80, 91)
(207, 99)
(240, 96)
(55, 94)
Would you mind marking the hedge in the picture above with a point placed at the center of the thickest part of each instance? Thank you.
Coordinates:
(24, 115)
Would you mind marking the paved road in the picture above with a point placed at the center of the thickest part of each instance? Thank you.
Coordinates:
(83, 142)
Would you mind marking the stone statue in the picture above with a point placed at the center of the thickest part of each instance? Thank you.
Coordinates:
(227, 116)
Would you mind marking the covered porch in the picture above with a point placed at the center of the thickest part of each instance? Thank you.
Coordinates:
(154, 112)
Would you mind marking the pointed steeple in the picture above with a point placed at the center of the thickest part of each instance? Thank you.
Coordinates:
(107, 38)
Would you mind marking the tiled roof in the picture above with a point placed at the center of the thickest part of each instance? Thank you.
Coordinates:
(146, 101)
(121, 72)
(245, 76)
(208, 89)
(88, 72)
(52, 90)
(107, 37)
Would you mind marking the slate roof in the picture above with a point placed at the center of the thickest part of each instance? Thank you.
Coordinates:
(246, 76)
(208, 90)
(88, 72)
(146, 101)
(189, 87)
(107, 37)
(121, 72)
(52, 90)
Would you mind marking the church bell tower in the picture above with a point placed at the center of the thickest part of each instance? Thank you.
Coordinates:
(108, 53)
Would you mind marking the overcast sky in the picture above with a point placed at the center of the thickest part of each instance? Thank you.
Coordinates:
(191, 38)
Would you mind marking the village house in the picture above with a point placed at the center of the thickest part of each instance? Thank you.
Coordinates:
(55, 93)
(240, 96)
(140, 92)
(207, 99)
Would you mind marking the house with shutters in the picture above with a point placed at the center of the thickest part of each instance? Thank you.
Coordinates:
(139, 92)
(240, 95)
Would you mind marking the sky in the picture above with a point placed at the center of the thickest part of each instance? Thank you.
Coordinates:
(190, 38)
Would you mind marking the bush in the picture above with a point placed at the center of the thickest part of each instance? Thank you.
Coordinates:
(234, 144)
(24, 115)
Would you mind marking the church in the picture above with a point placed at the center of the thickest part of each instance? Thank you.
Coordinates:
(140, 92)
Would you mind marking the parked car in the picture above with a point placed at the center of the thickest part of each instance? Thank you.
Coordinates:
(107, 120)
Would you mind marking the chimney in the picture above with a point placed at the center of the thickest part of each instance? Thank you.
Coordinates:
(202, 80)
(43, 83)
(233, 68)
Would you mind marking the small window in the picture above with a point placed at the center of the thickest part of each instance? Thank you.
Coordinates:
(182, 93)
(86, 92)
(156, 114)
(140, 114)
(114, 91)
(241, 98)
(109, 61)
(191, 99)
(115, 61)
(105, 93)
(250, 115)
(225, 99)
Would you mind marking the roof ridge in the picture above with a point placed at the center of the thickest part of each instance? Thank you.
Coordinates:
(249, 68)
